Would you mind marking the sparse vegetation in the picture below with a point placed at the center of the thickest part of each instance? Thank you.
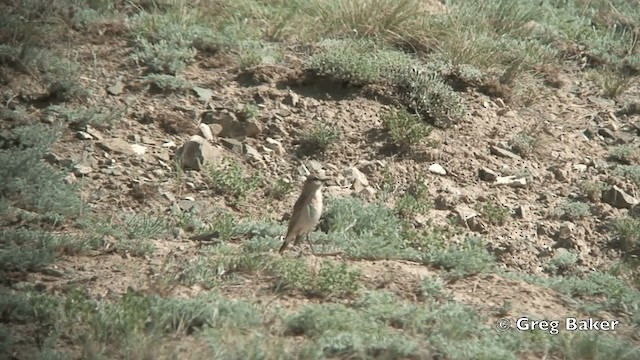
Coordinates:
(561, 262)
(459, 260)
(573, 210)
(79, 118)
(592, 190)
(332, 279)
(91, 270)
(627, 231)
(280, 189)
(230, 181)
(165, 82)
(495, 214)
(625, 154)
(405, 130)
(630, 172)
(415, 199)
(523, 143)
(320, 137)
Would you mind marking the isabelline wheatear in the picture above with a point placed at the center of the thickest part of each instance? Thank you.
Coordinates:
(306, 211)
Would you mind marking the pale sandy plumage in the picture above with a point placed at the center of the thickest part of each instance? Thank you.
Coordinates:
(306, 211)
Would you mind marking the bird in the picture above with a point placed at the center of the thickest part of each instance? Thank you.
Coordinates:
(306, 211)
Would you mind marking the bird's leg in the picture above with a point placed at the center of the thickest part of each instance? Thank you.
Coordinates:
(310, 244)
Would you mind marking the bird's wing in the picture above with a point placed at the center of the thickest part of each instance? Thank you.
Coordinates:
(298, 211)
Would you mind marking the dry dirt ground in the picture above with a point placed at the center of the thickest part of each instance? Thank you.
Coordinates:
(575, 128)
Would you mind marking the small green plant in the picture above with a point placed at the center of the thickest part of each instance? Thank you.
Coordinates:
(321, 136)
(80, 117)
(250, 111)
(163, 57)
(405, 130)
(29, 183)
(431, 287)
(167, 83)
(562, 262)
(333, 279)
(223, 223)
(630, 172)
(627, 230)
(253, 53)
(231, 182)
(592, 190)
(523, 143)
(415, 199)
(625, 154)
(573, 210)
(493, 213)
(140, 228)
(468, 258)
(366, 231)
(280, 189)
(505, 308)
(612, 82)
(364, 61)
(358, 62)
(424, 91)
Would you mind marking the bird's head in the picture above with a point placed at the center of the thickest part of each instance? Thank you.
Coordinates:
(315, 181)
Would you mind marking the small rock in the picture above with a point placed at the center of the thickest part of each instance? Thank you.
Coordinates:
(82, 135)
(314, 165)
(468, 217)
(566, 230)
(543, 230)
(511, 181)
(139, 149)
(618, 198)
(216, 129)
(229, 126)
(559, 174)
(203, 94)
(612, 126)
(148, 140)
(580, 168)
(606, 133)
(94, 133)
(486, 174)
(252, 129)
(446, 201)
(522, 211)
(368, 193)
(52, 272)
(420, 220)
(232, 144)
(357, 179)
(53, 159)
(169, 145)
(135, 138)
(158, 173)
(275, 145)
(291, 99)
(196, 153)
(437, 169)
(169, 196)
(187, 205)
(82, 169)
(70, 179)
(117, 146)
(117, 88)
(206, 131)
(503, 153)
(252, 152)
